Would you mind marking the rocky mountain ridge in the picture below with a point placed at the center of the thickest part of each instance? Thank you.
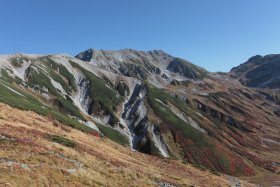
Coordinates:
(152, 102)
(259, 71)
(141, 64)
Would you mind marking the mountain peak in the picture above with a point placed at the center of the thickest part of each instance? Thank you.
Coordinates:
(259, 71)
(140, 64)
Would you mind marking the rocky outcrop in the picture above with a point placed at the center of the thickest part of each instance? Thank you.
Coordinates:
(141, 64)
(131, 63)
(122, 88)
(135, 115)
(143, 133)
(83, 95)
(222, 117)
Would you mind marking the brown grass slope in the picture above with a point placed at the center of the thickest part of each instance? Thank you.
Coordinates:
(29, 158)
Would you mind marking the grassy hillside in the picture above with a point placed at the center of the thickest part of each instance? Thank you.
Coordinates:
(194, 144)
(26, 101)
(38, 78)
(93, 161)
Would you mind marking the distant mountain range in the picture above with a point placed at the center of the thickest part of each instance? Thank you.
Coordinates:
(158, 104)
(258, 71)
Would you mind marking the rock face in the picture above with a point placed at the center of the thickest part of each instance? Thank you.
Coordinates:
(84, 94)
(127, 62)
(258, 71)
(141, 64)
(157, 104)
(143, 133)
(135, 116)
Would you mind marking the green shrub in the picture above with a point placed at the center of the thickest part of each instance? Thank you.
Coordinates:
(61, 140)
(113, 135)
(5, 75)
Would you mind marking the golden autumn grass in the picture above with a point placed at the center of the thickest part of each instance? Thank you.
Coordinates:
(27, 158)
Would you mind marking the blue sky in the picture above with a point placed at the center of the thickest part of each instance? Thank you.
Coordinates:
(216, 34)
